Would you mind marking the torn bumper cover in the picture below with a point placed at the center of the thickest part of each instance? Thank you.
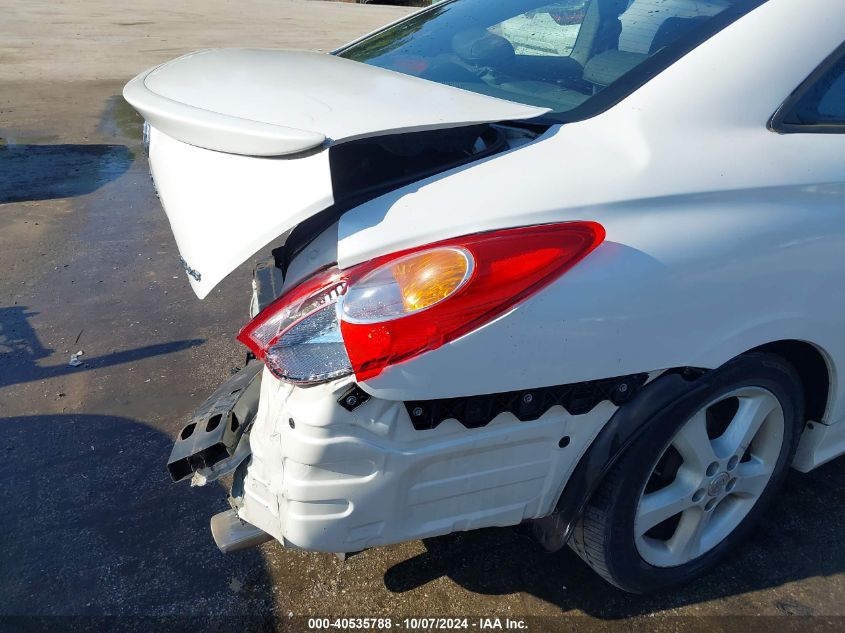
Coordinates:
(316, 473)
(210, 445)
(326, 477)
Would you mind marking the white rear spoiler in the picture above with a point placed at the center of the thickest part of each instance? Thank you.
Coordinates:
(214, 130)
(262, 102)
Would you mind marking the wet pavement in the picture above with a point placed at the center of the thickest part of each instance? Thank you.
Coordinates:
(91, 524)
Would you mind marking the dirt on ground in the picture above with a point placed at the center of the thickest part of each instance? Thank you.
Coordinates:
(93, 532)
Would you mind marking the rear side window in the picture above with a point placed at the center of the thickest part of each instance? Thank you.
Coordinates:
(575, 57)
(819, 104)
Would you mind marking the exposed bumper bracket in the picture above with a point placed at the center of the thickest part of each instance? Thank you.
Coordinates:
(215, 430)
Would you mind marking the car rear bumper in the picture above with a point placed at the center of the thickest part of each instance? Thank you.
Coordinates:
(323, 478)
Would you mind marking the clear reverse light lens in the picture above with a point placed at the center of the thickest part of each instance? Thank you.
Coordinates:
(298, 336)
(310, 351)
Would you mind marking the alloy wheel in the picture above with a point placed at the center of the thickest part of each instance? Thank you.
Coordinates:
(709, 477)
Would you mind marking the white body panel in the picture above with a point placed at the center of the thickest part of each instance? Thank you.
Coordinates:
(721, 235)
(264, 102)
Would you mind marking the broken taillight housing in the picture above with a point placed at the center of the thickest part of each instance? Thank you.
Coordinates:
(398, 306)
(298, 336)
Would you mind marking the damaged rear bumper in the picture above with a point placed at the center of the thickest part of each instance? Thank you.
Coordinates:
(321, 477)
(317, 474)
(214, 443)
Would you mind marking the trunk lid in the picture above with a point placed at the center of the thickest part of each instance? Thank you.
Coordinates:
(271, 117)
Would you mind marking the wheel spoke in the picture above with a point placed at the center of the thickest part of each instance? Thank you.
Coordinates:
(663, 504)
(685, 544)
(750, 415)
(753, 477)
(693, 443)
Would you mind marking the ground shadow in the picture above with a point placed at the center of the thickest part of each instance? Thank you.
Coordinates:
(800, 538)
(47, 172)
(93, 526)
(20, 349)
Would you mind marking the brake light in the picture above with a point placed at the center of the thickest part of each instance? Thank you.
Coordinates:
(395, 307)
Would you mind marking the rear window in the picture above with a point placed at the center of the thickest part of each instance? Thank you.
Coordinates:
(576, 57)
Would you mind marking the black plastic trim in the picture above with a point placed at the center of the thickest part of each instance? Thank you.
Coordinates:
(353, 398)
(269, 282)
(526, 404)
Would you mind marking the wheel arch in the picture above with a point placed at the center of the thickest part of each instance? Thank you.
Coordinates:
(815, 369)
(812, 364)
(622, 430)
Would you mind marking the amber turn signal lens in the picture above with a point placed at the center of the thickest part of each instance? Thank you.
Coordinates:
(430, 277)
(408, 285)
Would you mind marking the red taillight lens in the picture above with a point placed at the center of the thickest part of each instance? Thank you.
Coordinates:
(398, 306)
(509, 266)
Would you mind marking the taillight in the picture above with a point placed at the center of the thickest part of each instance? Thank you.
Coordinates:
(398, 306)
(297, 336)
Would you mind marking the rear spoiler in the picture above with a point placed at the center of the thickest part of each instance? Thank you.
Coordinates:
(260, 102)
(214, 130)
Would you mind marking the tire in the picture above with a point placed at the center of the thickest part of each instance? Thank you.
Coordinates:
(666, 469)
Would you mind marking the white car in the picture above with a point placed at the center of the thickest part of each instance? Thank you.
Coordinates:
(599, 292)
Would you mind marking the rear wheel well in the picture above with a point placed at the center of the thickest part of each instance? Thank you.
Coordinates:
(813, 370)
